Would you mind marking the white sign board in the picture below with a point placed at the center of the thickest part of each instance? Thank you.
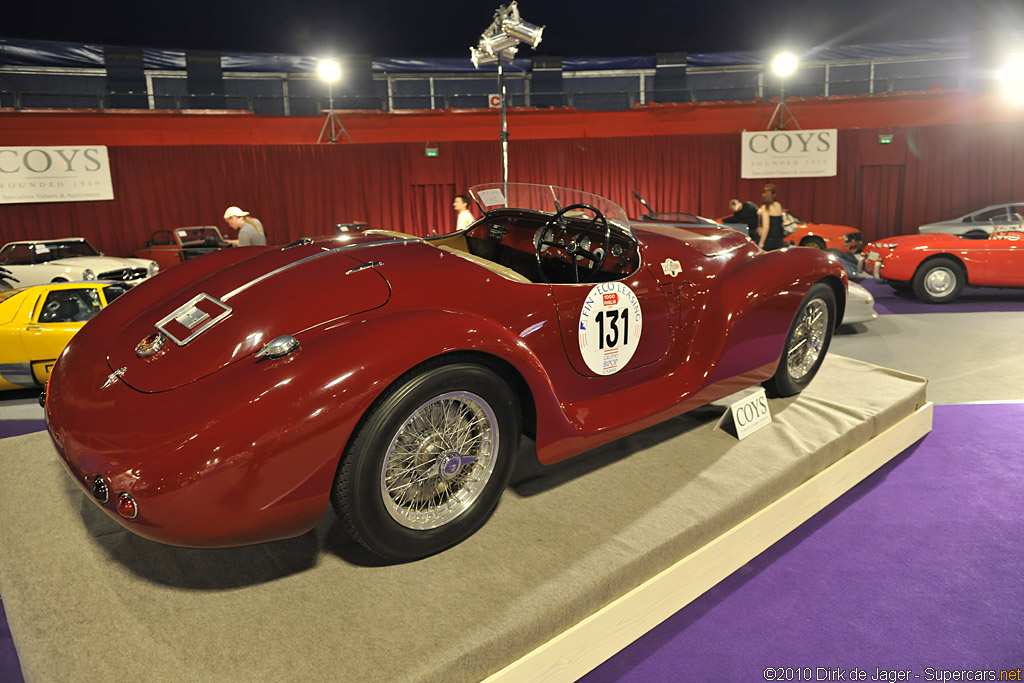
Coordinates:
(747, 415)
(494, 101)
(789, 153)
(54, 174)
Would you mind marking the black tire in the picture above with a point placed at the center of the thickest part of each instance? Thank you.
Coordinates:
(813, 242)
(939, 281)
(806, 344)
(406, 506)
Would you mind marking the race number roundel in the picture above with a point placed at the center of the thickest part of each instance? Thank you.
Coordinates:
(610, 326)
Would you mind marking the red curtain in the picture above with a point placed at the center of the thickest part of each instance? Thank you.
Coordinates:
(297, 190)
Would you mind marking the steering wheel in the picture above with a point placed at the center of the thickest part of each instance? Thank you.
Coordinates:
(551, 234)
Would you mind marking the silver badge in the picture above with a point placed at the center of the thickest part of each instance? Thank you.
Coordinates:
(150, 345)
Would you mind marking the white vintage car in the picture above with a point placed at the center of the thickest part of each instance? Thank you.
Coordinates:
(68, 259)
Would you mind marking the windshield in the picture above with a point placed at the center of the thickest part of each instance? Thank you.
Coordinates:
(198, 234)
(51, 251)
(546, 198)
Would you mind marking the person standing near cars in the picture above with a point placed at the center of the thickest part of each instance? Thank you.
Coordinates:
(250, 229)
(769, 233)
(465, 216)
(744, 213)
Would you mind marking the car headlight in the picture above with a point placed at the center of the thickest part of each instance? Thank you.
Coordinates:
(154, 268)
(87, 274)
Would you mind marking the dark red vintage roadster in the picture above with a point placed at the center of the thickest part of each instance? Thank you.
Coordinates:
(227, 401)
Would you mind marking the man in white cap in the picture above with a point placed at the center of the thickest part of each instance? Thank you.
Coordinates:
(250, 229)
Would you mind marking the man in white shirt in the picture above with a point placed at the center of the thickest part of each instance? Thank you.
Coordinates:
(465, 216)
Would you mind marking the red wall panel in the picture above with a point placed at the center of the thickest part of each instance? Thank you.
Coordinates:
(304, 189)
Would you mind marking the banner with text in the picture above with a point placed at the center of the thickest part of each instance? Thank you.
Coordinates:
(54, 174)
(789, 153)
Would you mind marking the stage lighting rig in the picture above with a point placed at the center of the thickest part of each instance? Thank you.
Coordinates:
(499, 43)
(783, 65)
(329, 71)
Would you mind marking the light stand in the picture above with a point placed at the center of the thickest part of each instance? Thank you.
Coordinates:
(330, 71)
(783, 65)
(503, 134)
(498, 44)
(782, 111)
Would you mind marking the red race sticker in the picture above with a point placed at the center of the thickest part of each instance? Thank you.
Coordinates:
(611, 299)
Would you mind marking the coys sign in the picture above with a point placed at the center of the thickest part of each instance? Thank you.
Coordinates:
(789, 153)
(54, 174)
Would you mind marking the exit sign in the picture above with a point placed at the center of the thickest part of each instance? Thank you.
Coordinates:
(885, 138)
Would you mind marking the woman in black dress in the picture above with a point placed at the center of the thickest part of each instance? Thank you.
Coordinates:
(770, 231)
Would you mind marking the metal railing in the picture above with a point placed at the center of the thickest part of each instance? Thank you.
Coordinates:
(283, 94)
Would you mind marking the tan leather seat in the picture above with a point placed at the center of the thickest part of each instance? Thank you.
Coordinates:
(496, 268)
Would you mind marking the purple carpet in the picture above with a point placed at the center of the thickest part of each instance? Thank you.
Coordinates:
(972, 300)
(19, 427)
(10, 670)
(920, 566)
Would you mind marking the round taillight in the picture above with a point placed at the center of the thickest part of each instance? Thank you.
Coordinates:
(126, 506)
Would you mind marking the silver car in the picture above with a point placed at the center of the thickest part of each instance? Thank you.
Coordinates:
(979, 224)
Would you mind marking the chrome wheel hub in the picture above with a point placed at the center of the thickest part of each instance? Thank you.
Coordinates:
(939, 282)
(439, 461)
(808, 339)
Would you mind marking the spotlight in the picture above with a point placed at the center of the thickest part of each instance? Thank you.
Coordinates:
(523, 31)
(479, 57)
(784, 64)
(1011, 78)
(329, 71)
(497, 42)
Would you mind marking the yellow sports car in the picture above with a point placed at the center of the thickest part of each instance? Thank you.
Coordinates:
(36, 323)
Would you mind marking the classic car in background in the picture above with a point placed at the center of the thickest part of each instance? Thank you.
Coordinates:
(401, 397)
(683, 219)
(171, 247)
(36, 262)
(7, 281)
(938, 266)
(978, 224)
(820, 235)
(860, 303)
(36, 324)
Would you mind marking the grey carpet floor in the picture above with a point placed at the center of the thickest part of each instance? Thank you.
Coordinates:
(83, 595)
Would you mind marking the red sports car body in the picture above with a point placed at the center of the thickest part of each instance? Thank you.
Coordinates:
(937, 266)
(820, 235)
(226, 402)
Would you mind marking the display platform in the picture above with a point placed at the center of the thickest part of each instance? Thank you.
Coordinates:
(579, 559)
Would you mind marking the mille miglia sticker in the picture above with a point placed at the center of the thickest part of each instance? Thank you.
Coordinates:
(610, 325)
(672, 267)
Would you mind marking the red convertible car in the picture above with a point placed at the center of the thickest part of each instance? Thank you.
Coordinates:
(171, 247)
(937, 266)
(228, 401)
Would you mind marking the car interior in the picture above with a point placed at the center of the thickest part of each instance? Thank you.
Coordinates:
(70, 306)
(574, 245)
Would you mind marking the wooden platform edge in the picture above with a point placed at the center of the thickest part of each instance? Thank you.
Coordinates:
(584, 646)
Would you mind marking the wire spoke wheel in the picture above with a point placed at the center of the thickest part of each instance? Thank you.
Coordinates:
(806, 344)
(808, 340)
(439, 461)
